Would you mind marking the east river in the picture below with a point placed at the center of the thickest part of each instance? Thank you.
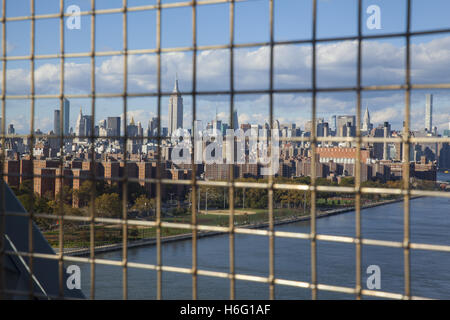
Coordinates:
(430, 271)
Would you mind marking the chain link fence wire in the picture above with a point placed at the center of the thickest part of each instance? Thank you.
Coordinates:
(313, 236)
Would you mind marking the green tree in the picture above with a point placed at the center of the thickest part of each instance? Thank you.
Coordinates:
(178, 211)
(83, 194)
(108, 205)
(215, 197)
(67, 193)
(27, 201)
(347, 182)
(26, 187)
(104, 187)
(41, 204)
(134, 191)
(143, 204)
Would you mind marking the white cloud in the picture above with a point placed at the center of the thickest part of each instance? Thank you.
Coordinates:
(383, 62)
(385, 114)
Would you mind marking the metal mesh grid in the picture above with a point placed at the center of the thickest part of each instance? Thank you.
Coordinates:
(270, 233)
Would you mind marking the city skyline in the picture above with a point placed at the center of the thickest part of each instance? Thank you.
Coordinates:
(382, 62)
(285, 104)
(215, 149)
(365, 116)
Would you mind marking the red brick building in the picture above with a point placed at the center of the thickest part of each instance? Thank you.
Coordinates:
(11, 171)
(44, 182)
(111, 171)
(341, 155)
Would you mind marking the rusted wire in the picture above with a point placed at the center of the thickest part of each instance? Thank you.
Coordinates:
(314, 285)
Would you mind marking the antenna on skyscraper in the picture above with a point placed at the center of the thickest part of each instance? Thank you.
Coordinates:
(175, 88)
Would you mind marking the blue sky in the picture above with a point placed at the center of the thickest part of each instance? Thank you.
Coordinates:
(383, 60)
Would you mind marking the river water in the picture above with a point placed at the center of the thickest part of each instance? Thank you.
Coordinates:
(430, 271)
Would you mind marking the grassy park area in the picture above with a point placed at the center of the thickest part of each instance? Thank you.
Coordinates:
(79, 236)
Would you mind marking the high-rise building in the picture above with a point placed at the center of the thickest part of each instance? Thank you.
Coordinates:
(325, 130)
(320, 127)
(276, 125)
(102, 124)
(87, 125)
(447, 132)
(429, 113)
(66, 113)
(333, 123)
(11, 129)
(346, 126)
(140, 129)
(386, 134)
(225, 127)
(235, 120)
(366, 125)
(66, 119)
(217, 125)
(132, 129)
(84, 125)
(175, 110)
(113, 126)
(198, 126)
(79, 126)
(152, 127)
(57, 122)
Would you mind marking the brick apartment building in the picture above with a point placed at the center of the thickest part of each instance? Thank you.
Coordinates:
(11, 172)
(340, 155)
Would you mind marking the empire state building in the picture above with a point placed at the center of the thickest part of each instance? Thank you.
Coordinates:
(175, 110)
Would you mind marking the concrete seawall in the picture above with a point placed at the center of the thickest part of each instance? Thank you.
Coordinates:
(201, 234)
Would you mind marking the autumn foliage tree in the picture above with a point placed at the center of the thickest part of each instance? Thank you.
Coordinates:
(108, 205)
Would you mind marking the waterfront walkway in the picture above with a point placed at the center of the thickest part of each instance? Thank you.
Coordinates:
(200, 234)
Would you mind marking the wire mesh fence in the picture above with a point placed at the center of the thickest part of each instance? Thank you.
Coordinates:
(194, 182)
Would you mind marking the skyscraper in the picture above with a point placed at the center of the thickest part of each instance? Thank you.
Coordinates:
(11, 129)
(57, 122)
(140, 129)
(333, 123)
(66, 113)
(235, 120)
(429, 113)
(132, 128)
(152, 127)
(198, 126)
(83, 125)
(346, 126)
(66, 119)
(386, 134)
(175, 110)
(79, 127)
(102, 123)
(366, 125)
(217, 125)
(87, 125)
(113, 126)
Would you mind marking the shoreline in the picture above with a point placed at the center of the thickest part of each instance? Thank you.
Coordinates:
(201, 234)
